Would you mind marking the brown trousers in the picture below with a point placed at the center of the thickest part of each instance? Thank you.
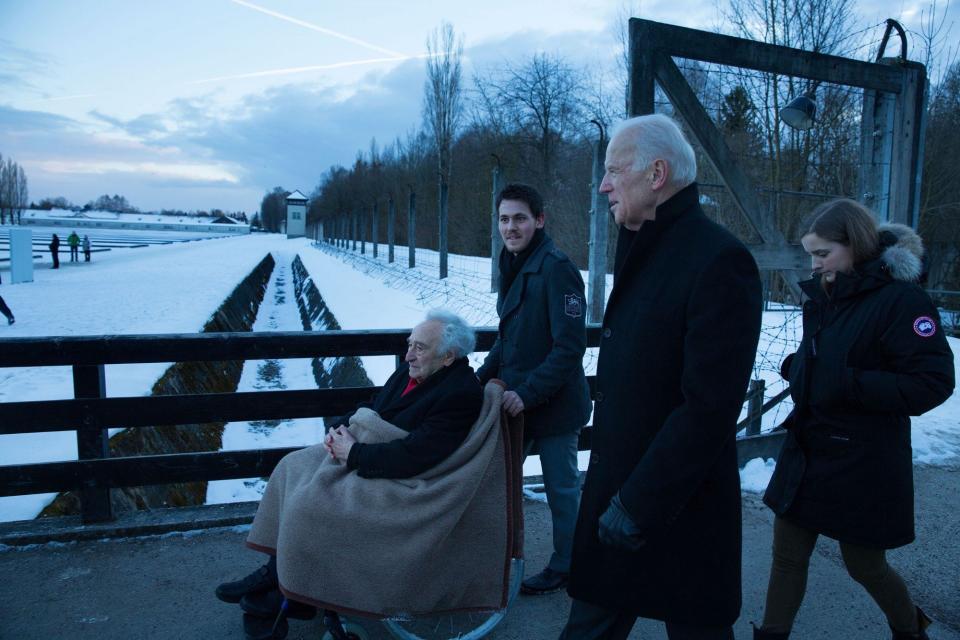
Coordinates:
(792, 547)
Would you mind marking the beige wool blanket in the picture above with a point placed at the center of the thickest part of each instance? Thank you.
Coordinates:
(385, 548)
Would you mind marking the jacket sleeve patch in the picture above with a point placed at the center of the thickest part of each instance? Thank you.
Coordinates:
(924, 326)
(573, 305)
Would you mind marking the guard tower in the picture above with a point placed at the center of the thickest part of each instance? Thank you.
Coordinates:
(296, 215)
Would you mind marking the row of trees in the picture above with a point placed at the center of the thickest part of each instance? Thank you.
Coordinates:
(120, 204)
(13, 190)
(535, 118)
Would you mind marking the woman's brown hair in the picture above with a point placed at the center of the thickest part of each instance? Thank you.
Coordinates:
(849, 223)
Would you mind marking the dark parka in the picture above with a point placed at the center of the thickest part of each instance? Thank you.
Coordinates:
(540, 345)
(438, 413)
(678, 342)
(873, 353)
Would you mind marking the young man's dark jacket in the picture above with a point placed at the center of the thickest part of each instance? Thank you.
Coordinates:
(541, 341)
(678, 343)
(873, 353)
(438, 413)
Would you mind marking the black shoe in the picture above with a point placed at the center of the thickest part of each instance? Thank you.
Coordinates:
(262, 579)
(10, 320)
(265, 628)
(547, 581)
(266, 604)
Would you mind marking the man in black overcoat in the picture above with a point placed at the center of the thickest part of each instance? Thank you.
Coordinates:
(539, 355)
(658, 533)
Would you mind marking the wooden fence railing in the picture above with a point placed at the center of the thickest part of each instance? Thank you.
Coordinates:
(90, 413)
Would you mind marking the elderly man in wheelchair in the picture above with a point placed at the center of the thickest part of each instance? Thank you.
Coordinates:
(401, 511)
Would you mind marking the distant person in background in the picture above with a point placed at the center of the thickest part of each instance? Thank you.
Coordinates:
(539, 354)
(873, 354)
(5, 310)
(86, 248)
(74, 241)
(55, 251)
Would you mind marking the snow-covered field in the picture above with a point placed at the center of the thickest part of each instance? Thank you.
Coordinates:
(175, 288)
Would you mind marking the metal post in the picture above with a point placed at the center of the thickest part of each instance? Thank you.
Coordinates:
(599, 224)
(92, 444)
(755, 406)
(362, 225)
(412, 230)
(354, 223)
(375, 240)
(496, 242)
(443, 228)
(391, 217)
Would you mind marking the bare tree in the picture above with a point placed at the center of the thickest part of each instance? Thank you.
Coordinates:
(822, 158)
(442, 110)
(539, 102)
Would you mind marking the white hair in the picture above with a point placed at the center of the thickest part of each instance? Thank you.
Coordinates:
(658, 137)
(458, 338)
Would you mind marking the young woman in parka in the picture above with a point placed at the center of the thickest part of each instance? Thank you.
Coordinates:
(873, 354)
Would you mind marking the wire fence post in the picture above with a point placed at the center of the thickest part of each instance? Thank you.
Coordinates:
(443, 228)
(412, 230)
(375, 239)
(391, 217)
(598, 233)
(496, 242)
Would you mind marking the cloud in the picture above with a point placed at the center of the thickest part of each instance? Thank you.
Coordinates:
(196, 148)
(16, 64)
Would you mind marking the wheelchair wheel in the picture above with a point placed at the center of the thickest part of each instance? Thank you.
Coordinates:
(457, 626)
(353, 631)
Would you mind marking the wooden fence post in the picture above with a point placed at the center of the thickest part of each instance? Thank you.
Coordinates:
(89, 382)
(755, 406)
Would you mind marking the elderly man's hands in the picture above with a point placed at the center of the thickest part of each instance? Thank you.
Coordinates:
(512, 403)
(338, 443)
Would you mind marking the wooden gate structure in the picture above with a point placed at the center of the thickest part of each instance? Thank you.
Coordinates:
(892, 124)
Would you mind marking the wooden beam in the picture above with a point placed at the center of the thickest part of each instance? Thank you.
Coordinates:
(138, 470)
(706, 46)
(186, 347)
(688, 105)
(93, 414)
(641, 84)
(94, 350)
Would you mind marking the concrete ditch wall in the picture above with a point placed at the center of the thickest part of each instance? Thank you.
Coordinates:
(237, 313)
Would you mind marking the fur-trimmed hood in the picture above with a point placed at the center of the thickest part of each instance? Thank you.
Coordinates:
(901, 250)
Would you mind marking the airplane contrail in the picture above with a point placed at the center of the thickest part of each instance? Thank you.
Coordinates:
(305, 69)
(314, 27)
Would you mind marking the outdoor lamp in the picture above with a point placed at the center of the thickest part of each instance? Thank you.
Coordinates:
(800, 112)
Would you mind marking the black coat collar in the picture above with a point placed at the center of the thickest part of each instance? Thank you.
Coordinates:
(507, 301)
(641, 242)
(394, 400)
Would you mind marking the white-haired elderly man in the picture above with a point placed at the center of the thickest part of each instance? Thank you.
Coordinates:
(658, 532)
(434, 396)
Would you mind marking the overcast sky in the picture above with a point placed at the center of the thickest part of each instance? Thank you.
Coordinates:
(196, 104)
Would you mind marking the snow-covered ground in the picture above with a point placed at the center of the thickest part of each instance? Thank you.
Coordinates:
(175, 289)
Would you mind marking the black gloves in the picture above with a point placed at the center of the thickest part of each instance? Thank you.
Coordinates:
(617, 528)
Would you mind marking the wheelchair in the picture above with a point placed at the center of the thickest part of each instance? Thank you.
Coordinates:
(468, 625)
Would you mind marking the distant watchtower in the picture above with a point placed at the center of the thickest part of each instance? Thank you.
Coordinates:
(296, 215)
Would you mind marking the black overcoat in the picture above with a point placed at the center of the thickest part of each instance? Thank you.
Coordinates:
(438, 413)
(678, 342)
(873, 353)
(541, 341)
